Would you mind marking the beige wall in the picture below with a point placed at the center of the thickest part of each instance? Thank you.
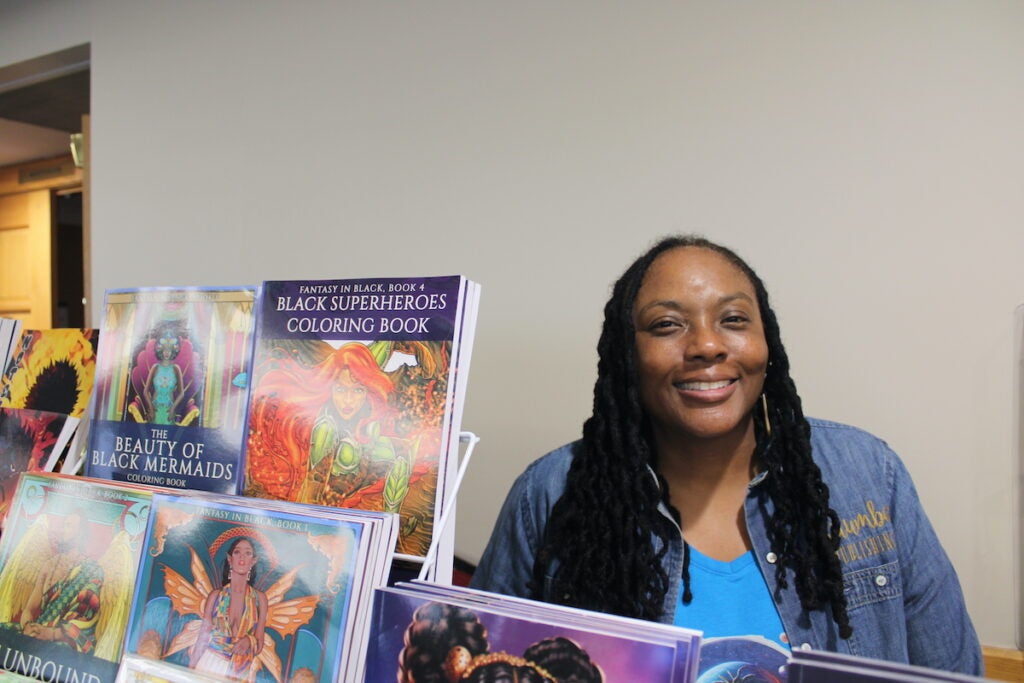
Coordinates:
(865, 157)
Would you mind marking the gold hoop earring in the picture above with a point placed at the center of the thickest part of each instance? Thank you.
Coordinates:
(764, 412)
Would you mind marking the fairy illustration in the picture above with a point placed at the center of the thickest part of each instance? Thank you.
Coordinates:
(229, 623)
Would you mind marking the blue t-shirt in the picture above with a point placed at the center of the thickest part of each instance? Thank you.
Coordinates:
(729, 599)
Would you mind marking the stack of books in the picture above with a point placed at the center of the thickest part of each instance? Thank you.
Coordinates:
(815, 666)
(345, 393)
(232, 587)
(306, 430)
(426, 632)
(226, 586)
(358, 388)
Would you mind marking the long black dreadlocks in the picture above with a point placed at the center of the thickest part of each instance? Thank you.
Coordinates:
(606, 533)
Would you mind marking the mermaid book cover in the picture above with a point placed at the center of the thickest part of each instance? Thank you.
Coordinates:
(171, 387)
(355, 400)
(249, 591)
(69, 555)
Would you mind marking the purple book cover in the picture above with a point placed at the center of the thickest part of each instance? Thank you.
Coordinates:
(418, 638)
(352, 396)
(171, 387)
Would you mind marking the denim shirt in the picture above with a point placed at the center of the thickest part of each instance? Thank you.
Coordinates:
(903, 596)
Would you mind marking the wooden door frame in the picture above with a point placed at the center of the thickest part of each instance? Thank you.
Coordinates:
(57, 174)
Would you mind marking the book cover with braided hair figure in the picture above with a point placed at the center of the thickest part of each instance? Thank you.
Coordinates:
(421, 633)
(69, 556)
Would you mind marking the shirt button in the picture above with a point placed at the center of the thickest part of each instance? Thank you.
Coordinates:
(771, 557)
(805, 646)
(881, 580)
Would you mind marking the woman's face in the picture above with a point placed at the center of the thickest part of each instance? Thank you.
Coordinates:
(700, 346)
(242, 557)
(167, 348)
(348, 395)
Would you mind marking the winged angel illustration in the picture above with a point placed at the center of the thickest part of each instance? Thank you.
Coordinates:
(52, 590)
(211, 633)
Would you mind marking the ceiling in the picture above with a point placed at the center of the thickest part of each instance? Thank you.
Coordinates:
(21, 142)
(42, 101)
(54, 103)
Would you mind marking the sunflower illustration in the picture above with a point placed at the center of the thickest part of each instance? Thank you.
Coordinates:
(51, 370)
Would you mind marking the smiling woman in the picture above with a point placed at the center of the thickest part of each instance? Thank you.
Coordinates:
(700, 495)
(700, 348)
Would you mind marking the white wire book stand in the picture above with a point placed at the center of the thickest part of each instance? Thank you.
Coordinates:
(437, 565)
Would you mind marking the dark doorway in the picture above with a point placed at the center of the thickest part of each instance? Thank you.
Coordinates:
(69, 309)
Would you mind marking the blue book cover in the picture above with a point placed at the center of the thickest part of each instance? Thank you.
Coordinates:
(742, 658)
(238, 589)
(171, 387)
